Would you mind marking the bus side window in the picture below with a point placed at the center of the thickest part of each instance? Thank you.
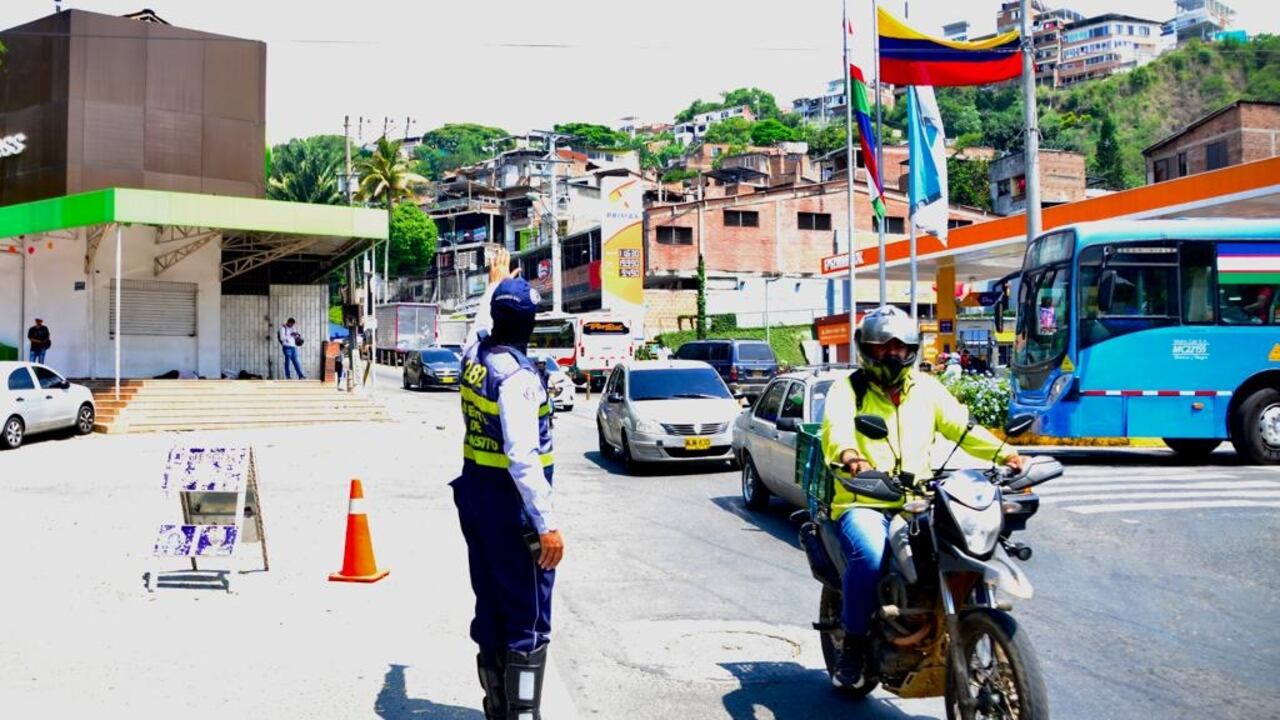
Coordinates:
(1248, 304)
(1197, 283)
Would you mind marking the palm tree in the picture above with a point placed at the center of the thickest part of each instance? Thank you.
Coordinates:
(307, 170)
(387, 176)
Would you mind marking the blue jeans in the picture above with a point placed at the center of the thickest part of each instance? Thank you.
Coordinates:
(291, 357)
(864, 537)
(37, 356)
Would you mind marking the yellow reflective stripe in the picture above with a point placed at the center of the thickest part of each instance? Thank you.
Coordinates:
(497, 460)
(483, 404)
(544, 410)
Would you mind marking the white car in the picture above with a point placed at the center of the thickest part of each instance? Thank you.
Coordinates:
(35, 399)
(666, 411)
(559, 385)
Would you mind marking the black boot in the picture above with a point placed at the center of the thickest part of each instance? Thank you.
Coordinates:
(523, 678)
(852, 665)
(493, 680)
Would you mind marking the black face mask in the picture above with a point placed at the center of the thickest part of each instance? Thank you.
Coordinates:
(513, 331)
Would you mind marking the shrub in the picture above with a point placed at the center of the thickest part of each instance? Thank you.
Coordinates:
(724, 323)
(987, 397)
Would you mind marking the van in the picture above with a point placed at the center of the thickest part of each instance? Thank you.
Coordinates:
(746, 365)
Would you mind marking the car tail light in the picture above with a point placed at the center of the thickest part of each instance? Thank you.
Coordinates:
(733, 373)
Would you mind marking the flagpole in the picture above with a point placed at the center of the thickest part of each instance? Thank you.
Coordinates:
(875, 61)
(906, 13)
(850, 173)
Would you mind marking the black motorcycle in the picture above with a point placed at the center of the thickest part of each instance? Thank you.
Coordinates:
(943, 626)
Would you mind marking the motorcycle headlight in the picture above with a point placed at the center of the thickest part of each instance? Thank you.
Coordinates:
(649, 427)
(980, 528)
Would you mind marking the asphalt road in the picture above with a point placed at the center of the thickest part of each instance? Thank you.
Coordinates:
(1156, 590)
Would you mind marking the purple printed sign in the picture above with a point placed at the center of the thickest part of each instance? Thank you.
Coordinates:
(206, 469)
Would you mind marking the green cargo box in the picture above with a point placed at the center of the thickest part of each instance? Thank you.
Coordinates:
(811, 468)
(8, 353)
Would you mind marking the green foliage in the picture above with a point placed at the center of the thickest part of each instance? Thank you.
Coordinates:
(307, 170)
(830, 137)
(734, 131)
(413, 240)
(1107, 161)
(967, 182)
(335, 314)
(986, 397)
(679, 175)
(784, 339)
(593, 136)
(457, 145)
(384, 175)
(701, 326)
(724, 323)
(762, 104)
(768, 132)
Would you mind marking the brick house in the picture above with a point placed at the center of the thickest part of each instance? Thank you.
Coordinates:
(1241, 132)
(1062, 180)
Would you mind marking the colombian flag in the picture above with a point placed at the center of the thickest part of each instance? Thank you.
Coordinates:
(909, 57)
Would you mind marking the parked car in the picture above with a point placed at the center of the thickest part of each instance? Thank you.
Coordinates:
(35, 399)
(764, 435)
(559, 384)
(666, 411)
(745, 365)
(432, 367)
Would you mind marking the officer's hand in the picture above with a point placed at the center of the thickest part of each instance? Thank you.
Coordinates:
(552, 550)
(854, 463)
(500, 266)
(1016, 463)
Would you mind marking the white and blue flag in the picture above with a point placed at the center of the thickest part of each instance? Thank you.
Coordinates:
(926, 142)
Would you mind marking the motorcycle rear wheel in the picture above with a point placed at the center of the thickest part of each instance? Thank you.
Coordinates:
(1003, 672)
(829, 611)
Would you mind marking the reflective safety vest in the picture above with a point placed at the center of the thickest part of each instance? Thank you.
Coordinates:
(484, 369)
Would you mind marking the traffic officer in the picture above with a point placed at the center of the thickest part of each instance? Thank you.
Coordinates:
(504, 505)
(917, 408)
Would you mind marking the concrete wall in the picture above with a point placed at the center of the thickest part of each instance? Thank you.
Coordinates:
(79, 319)
(11, 327)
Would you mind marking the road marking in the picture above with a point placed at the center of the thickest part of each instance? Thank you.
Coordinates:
(1255, 494)
(1121, 487)
(1156, 506)
(1126, 479)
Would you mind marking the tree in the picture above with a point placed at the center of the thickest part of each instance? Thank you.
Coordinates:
(413, 239)
(307, 170)
(1108, 163)
(968, 183)
(697, 107)
(734, 131)
(384, 175)
(762, 103)
(456, 145)
(830, 137)
(768, 132)
(593, 136)
(701, 322)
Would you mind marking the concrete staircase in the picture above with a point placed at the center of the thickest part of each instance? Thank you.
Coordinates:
(162, 405)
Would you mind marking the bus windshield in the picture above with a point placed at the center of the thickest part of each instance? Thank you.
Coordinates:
(552, 334)
(1043, 307)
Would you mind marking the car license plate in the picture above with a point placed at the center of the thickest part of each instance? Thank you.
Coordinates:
(697, 443)
(448, 380)
(757, 374)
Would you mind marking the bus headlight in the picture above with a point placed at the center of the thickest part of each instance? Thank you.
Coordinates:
(1061, 386)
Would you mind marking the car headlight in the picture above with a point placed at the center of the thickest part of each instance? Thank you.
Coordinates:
(1060, 386)
(980, 528)
(649, 427)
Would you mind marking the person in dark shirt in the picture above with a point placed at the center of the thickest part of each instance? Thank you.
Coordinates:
(38, 341)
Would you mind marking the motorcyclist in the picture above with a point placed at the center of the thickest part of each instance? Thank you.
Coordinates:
(915, 407)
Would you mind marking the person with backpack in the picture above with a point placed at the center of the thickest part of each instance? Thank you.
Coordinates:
(916, 408)
(290, 339)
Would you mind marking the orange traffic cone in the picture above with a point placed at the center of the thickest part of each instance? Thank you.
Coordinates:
(358, 564)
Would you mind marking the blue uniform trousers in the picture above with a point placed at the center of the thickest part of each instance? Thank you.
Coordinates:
(513, 594)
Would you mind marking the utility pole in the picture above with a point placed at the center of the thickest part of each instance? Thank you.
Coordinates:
(1032, 143)
(352, 332)
(557, 292)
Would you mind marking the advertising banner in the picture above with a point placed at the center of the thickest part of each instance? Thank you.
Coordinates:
(622, 247)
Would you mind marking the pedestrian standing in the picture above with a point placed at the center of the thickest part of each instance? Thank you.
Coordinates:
(290, 339)
(38, 342)
(338, 371)
(504, 505)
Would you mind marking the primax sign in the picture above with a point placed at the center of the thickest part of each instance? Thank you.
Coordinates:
(12, 144)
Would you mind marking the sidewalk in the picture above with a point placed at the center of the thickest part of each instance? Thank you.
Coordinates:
(81, 635)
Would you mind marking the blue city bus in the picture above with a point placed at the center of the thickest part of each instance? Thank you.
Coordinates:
(1155, 328)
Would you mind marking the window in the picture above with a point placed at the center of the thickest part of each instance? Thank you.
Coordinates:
(50, 380)
(755, 352)
(689, 382)
(820, 391)
(770, 405)
(1182, 164)
(1244, 297)
(954, 223)
(692, 351)
(1215, 155)
(675, 235)
(893, 225)
(741, 218)
(1002, 188)
(718, 352)
(813, 221)
(1196, 262)
(1160, 169)
(793, 401)
(1146, 290)
(20, 379)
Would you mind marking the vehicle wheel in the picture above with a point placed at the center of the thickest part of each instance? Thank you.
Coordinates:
(84, 419)
(12, 433)
(829, 609)
(1192, 448)
(1004, 677)
(606, 450)
(1258, 423)
(634, 467)
(754, 494)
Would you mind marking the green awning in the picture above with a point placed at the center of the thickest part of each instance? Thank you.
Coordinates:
(154, 207)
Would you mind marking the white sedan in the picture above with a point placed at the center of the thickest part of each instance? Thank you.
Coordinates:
(558, 382)
(35, 399)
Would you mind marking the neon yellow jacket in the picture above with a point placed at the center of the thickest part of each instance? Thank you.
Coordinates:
(927, 409)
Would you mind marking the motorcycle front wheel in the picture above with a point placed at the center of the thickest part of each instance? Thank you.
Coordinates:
(830, 608)
(1004, 679)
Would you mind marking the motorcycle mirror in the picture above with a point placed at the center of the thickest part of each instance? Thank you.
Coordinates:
(963, 435)
(873, 426)
(1019, 425)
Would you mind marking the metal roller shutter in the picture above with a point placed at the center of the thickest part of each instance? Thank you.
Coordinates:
(154, 307)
